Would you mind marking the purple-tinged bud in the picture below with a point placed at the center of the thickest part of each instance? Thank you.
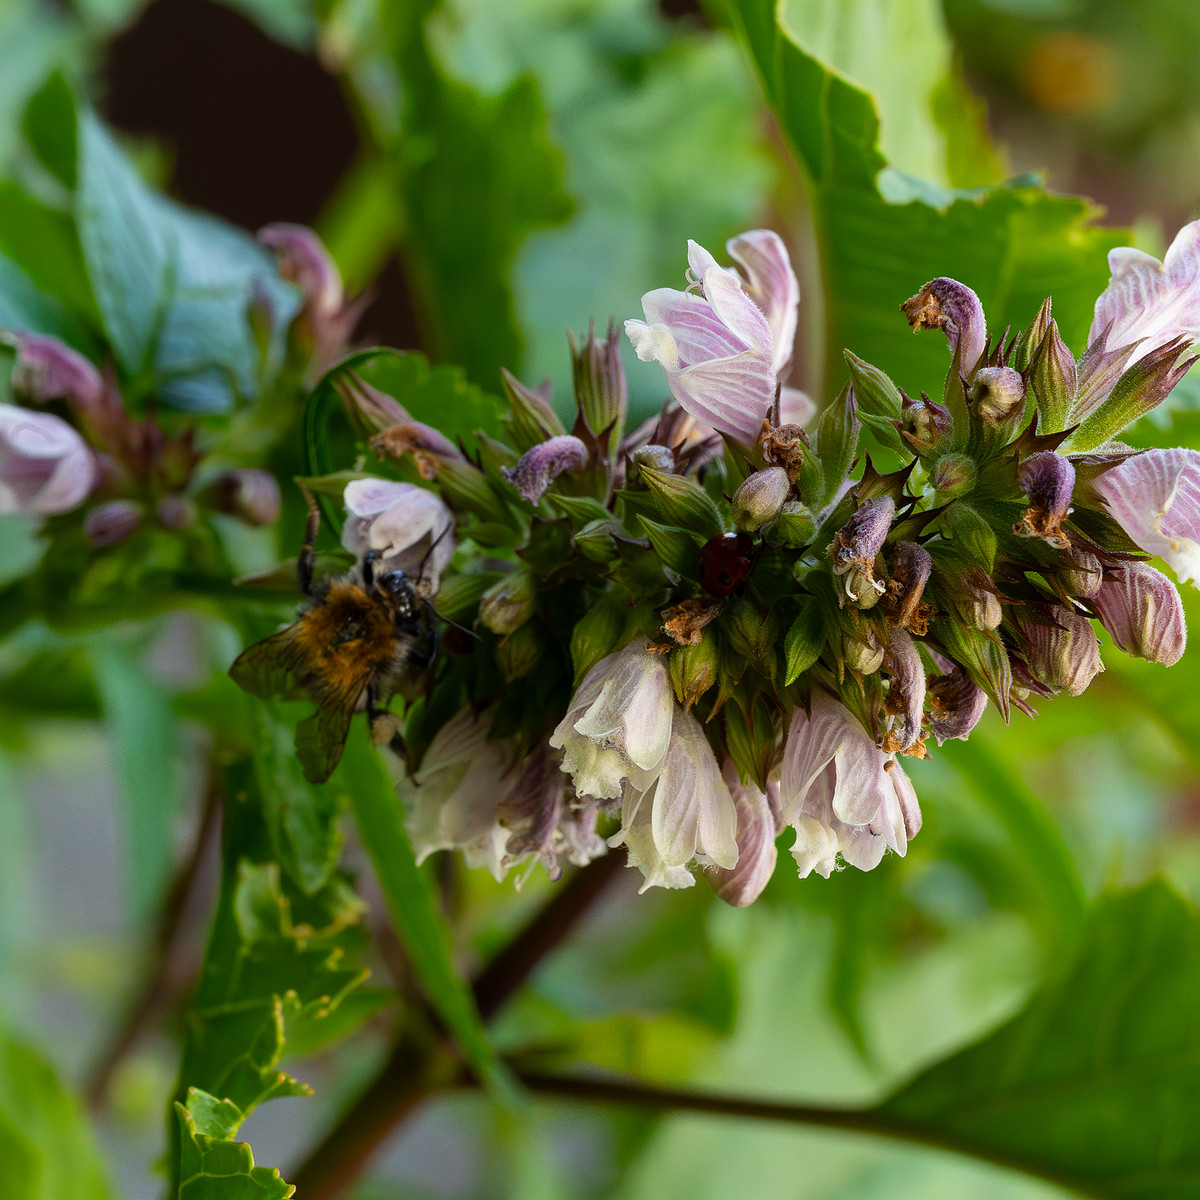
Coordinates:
(367, 407)
(1081, 572)
(758, 824)
(175, 512)
(46, 370)
(1141, 608)
(952, 307)
(983, 601)
(429, 447)
(249, 494)
(1099, 370)
(538, 468)
(927, 423)
(113, 522)
(304, 261)
(911, 567)
(956, 703)
(760, 497)
(508, 604)
(998, 394)
(694, 669)
(1060, 647)
(45, 467)
(1048, 479)
(905, 701)
(1053, 381)
(854, 549)
(953, 475)
(599, 377)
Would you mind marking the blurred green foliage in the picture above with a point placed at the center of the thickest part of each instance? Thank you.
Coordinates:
(534, 165)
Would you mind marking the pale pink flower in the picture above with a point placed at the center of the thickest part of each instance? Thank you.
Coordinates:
(841, 793)
(686, 813)
(1151, 302)
(45, 466)
(1155, 498)
(758, 824)
(409, 525)
(1142, 610)
(618, 725)
(719, 345)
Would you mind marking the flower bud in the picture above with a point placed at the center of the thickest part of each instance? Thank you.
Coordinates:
(877, 395)
(795, 525)
(956, 704)
(1060, 647)
(108, 524)
(508, 604)
(530, 416)
(538, 468)
(369, 409)
(46, 370)
(657, 458)
(1053, 381)
(1048, 479)
(175, 512)
(595, 541)
(760, 498)
(45, 467)
(683, 502)
(1081, 572)
(954, 308)
(758, 825)
(519, 652)
(1141, 608)
(694, 669)
(249, 494)
(467, 488)
(953, 475)
(596, 633)
(600, 383)
(751, 631)
(998, 394)
(854, 548)
(983, 609)
(926, 424)
(911, 567)
(862, 654)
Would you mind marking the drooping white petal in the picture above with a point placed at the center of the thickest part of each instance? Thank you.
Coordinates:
(409, 525)
(757, 827)
(1151, 300)
(1155, 497)
(637, 837)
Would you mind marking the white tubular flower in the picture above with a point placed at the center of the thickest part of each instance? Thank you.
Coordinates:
(1151, 302)
(1155, 498)
(758, 825)
(452, 798)
(722, 349)
(841, 793)
(409, 525)
(686, 813)
(618, 726)
(45, 466)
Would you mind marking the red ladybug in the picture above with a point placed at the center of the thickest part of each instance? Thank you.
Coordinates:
(724, 563)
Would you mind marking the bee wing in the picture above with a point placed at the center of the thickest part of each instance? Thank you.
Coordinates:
(320, 740)
(271, 667)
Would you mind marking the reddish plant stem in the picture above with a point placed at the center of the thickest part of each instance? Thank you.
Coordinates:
(416, 1070)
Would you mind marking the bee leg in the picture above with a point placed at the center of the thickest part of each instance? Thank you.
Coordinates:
(385, 726)
(308, 552)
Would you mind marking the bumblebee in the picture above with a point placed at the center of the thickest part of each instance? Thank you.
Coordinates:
(360, 639)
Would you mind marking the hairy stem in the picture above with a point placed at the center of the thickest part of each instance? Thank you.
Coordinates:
(413, 1072)
(156, 986)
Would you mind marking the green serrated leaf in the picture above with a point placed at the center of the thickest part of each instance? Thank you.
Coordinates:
(1093, 1084)
(804, 641)
(865, 131)
(216, 1169)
